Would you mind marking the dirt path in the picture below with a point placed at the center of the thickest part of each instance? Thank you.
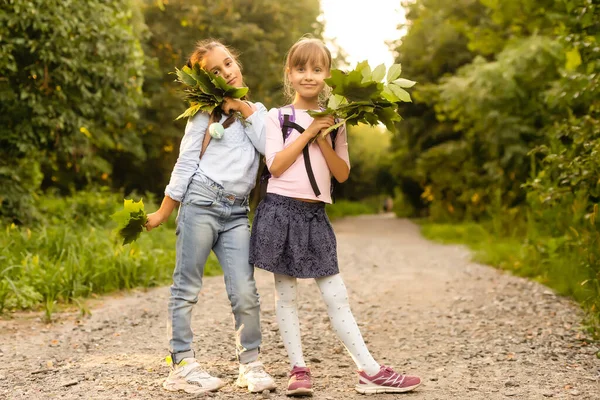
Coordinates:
(470, 331)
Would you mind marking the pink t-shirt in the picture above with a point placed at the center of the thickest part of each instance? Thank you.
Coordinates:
(294, 181)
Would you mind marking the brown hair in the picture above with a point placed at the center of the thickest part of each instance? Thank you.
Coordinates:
(206, 45)
(197, 56)
(304, 50)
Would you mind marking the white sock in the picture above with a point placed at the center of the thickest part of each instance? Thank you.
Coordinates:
(286, 310)
(335, 296)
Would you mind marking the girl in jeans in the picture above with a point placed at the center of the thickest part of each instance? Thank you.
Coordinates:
(211, 182)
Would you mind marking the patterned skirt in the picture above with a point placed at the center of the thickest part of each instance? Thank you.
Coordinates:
(293, 237)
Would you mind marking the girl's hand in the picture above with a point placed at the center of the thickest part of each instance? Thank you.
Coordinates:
(319, 124)
(155, 219)
(230, 104)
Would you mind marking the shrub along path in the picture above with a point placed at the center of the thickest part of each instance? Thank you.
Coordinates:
(472, 332)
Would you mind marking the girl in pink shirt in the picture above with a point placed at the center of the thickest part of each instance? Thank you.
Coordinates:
(291, 234)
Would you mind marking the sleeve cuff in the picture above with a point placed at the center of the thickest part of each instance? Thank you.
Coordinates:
(171, 194)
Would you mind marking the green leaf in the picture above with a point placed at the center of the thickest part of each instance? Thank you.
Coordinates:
(204, 90)
(365, 71)
(402, 94)
(185, 77)
(379, 73)
(190, 112)
(404, 83)
(220, 82)
(203, 80)
(573, 59)
(130, 220)
(335, 101)
(336, 79)
(363, 65)
(327, 111)
(394, 72)
(354, 90)
(387, 94)
(236, 93)
(388, 116)
(356, 99)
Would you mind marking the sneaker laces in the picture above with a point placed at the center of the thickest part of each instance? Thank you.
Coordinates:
(258, 371)
(392, 376)
(302, 375)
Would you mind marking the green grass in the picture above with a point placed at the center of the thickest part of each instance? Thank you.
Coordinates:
(498, 252)
(345, 208)
(72, 256)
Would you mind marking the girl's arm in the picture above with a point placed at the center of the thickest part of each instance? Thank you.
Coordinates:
(157, 218)
(337, 160)
(279, 161)
(255, 117)
(184, 169)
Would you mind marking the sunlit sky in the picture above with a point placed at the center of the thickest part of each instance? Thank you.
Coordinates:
(362, 28)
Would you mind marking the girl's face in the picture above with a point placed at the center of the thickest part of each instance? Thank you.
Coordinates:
(308, 80)
(221, 63)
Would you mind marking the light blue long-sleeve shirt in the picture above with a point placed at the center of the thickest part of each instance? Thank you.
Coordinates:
(231, 161)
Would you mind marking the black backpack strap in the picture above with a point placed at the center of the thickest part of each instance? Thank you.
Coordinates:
(309, 171)
(287, 124)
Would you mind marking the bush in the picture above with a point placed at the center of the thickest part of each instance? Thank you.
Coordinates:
(345, 208)
(76, 253)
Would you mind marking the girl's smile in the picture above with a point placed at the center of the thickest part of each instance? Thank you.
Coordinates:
(307, 80)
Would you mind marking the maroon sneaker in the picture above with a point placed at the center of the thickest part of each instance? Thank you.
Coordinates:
(386, 381)
(299, 383)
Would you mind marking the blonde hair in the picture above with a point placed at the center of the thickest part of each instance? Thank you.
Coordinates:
(305, 50)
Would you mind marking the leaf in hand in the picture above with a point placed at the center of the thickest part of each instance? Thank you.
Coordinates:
(205, 91)
(130, 220)
(360, 96)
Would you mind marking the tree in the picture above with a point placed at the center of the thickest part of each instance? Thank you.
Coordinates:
(70, 87)
(262, 30)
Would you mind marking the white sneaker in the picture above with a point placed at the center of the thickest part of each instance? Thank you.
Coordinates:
(255, 378)
(189, 377)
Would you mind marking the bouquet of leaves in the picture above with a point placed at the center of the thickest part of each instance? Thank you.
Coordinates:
(131, 220)
(205, 91)
(361, 96)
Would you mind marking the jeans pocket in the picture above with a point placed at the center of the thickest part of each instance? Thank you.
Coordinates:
(199, 195)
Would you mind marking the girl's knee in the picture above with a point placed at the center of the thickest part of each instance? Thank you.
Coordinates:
(333, 291)
(244, 299)
(285, 291)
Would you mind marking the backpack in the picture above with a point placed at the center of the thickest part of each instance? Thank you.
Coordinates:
(287, 122)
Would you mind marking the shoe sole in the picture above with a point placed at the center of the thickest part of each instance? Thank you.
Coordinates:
(299, 392)
(254, 389)
(364, 389)
(190, 389)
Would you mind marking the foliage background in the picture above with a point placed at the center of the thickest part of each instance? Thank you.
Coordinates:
(499, 148)
(504, 133)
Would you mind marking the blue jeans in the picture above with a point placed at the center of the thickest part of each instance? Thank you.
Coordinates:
(209, 218)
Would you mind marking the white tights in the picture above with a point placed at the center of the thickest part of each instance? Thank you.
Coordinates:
(335, 296)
